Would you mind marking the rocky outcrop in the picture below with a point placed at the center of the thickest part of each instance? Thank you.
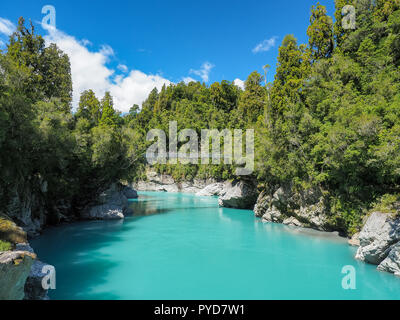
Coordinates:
(285, 205)
(165, 183)
(110, 205)
(239, 194)
(215, 189)
(26, 208)
(130, 193)
(33, 286)
(15, 267)
(355, 240)
(380, 242)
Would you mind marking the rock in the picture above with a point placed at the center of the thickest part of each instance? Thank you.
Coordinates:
(305, 208)
(15, 267)
(239, 194)
(33, 287)
(292, 221)
(272, 215)
(111, 205)
(379, 234)
(355, 240)
(392, 261)
(130, 193)
(166, 183)
(27, 208)
(211, 190)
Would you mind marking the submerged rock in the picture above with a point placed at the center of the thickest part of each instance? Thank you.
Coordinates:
(239, 194)
(379, 234)
(15, 267)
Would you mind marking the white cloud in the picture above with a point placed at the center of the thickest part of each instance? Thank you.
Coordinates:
(6, 27)
(90, 70)
(86, 42)
(204, 72)
(188, 80)
(239, 83)
(266, 45)
(123, 68)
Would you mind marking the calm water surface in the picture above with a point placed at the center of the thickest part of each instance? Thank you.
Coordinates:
(180, 246)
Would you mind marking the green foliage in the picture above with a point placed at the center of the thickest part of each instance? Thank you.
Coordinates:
(334, 122)
(5, 246)
(320, 33)
(388, 203)
(77, 155)
(196, 106)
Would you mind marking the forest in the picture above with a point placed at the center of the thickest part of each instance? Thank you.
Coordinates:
(330, 119)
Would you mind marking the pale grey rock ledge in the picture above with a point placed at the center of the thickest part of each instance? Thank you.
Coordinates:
(15, 267)
(165, 183)
(380, 242)
(215, 189)
(285, 205)
(113, 204)
(239, 194)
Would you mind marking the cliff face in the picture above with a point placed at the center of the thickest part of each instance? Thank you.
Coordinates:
(296, 208)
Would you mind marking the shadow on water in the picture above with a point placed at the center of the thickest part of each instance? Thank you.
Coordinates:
(76, 255)
(76, 251)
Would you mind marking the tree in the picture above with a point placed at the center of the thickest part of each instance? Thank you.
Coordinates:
(89, 107)
(224, 95)
(108, 116)
(48, 69)
(253, 99)
(320, 33)
(341, 34)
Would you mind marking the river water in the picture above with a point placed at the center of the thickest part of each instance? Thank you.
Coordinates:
(179, 246)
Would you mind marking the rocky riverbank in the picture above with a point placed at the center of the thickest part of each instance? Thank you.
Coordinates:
(237, 194)
(21, 273)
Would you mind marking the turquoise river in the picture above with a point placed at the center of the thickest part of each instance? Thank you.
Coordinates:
(179, 246)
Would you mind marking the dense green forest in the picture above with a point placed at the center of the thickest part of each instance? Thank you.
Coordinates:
(330, 118)
(44, 145)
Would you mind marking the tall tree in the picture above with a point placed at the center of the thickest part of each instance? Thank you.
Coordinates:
(253, 99)
(89, 107)
(48, 68)
(108, 116)
(320, 33)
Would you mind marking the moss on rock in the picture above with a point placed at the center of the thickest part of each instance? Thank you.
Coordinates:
(10, 232)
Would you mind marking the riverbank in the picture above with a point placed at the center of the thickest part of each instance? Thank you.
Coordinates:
(20, 268)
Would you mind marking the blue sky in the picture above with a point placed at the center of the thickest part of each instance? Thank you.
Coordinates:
(173, 40)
